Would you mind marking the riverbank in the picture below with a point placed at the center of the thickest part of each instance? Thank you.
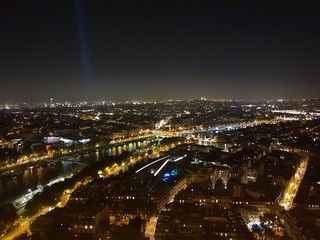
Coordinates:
(23, 165)
(57, 195)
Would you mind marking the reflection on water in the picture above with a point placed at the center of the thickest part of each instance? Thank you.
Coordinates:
(11, 187)
(127, 147)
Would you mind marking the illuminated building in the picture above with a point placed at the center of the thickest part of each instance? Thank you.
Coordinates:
(222, 173)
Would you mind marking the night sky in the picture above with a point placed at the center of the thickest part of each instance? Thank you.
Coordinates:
(158, 50)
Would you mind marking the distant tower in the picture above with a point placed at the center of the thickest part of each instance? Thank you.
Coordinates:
(51, 102)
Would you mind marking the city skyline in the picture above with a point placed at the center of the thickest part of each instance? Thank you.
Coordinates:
(79, 50)
(227, 169)
(56, 103)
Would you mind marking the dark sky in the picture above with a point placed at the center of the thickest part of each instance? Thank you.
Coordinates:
(104, 50)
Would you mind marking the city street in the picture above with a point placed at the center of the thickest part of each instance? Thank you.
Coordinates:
(293, 186)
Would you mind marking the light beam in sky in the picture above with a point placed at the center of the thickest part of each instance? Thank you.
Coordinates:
(83, 44)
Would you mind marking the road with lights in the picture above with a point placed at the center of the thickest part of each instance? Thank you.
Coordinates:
(291, 190)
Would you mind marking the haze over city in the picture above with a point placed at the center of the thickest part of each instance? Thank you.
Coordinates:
(156, 50)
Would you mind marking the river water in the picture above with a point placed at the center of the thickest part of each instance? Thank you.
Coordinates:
(38, 176)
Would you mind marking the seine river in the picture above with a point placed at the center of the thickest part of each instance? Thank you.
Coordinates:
(37, 177)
